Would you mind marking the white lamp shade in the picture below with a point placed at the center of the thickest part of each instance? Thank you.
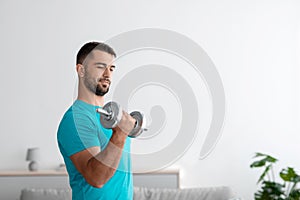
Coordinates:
(32, 154)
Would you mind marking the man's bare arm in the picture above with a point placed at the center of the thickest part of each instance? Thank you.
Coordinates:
(96, 166)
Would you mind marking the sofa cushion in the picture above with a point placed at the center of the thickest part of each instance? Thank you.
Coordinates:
(46, 194)
(209, 193)
(140, 193)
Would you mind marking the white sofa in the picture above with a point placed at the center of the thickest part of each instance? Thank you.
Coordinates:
(209, 193)
(140, 193)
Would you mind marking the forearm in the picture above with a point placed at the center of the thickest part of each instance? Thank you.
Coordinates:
(102, 166)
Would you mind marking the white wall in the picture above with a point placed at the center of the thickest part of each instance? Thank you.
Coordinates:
(255, 46)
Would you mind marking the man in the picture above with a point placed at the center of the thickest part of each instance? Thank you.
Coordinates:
(97, 159)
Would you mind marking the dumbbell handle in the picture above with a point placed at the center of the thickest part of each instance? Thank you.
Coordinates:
(104, 112)
(112, 115)
(109, 114)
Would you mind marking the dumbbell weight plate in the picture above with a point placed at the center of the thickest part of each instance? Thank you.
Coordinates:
(138, 129)
(116, 115)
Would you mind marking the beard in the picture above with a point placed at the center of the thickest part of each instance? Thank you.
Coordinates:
(95, 87)
(101, 92)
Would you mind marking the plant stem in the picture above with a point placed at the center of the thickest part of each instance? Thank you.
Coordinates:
(288, 188)
(293, 187)
(272, 173)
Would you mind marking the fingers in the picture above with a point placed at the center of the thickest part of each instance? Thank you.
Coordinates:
(126, 124)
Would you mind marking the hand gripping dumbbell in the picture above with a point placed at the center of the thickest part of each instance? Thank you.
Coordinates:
(111, 115)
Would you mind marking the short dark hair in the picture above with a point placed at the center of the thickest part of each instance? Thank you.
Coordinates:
(87, 48)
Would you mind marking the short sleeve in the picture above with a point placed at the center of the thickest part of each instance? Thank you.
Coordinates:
(77, 132)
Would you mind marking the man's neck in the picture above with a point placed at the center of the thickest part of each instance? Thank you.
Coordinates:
(91, 99)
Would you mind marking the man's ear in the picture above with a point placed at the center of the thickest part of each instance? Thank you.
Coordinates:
(80, 70)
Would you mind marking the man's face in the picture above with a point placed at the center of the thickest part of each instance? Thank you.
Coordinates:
(98, 72)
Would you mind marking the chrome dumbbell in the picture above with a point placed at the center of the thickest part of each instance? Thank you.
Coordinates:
(111, 115)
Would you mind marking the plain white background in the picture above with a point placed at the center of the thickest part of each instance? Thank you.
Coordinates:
(255, 46)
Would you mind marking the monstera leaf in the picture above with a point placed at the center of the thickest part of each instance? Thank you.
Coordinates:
(294, 195)
(271, 190)
(262, 162)
(289, 175)
(265, 161)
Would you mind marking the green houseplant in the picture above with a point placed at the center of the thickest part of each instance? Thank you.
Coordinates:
(270, 189)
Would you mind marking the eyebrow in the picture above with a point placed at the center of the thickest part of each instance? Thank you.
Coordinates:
(104, 64)
(100, 63)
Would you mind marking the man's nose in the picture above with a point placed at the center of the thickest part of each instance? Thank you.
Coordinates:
(107, 72)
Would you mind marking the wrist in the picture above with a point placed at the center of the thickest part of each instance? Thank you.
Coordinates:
(118, 136)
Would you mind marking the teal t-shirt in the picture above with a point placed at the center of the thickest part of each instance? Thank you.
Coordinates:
(79, 129)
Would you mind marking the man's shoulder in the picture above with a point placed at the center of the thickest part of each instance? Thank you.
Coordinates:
(68, 115)
(79, 117)
(77, 109)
